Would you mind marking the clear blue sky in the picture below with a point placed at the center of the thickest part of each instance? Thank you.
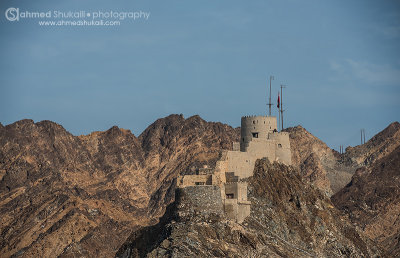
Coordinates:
(340, 61)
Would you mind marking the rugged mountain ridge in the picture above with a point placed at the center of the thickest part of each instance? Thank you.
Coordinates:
(289, 218)
(371, 196)
(372, 201)
(83, 195)
(379, 146)
(329, 170)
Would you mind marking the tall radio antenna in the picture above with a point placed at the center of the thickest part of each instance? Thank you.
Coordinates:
(270, 103)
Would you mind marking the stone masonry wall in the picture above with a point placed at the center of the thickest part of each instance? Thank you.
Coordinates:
(199, 200)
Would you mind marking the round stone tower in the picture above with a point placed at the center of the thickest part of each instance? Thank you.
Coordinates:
(253, 127)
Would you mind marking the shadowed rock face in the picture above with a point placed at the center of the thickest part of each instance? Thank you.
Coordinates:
(288, 218)
(71, 196)
(372, 200)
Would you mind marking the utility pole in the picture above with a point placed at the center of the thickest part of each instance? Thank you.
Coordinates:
(362, 136)
(270, 104)
(282, 86)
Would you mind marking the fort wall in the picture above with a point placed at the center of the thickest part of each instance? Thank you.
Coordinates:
(203, 200)
(193, 180)
(282, 149)
(241, 163)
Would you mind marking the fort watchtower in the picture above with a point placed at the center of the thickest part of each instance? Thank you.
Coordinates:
(256, 127)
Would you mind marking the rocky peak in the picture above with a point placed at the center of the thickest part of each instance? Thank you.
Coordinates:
(313, 157)
(304, 143)
(377, 147)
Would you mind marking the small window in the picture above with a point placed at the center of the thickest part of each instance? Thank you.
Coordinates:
(199, 183)
(270, 127)
(264, 122)
(243, 139)
(255, 135)
(254, 122)
(279, 145)
(229, 196)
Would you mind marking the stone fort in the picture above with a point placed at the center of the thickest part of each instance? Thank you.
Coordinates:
(259, 139)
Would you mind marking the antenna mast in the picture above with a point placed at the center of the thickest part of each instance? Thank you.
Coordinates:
(362, 136)
(270, 104)
(279, 113)
(282, 86)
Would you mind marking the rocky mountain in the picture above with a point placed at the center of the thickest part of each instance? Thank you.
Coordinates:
(319, 164)
(289, 218)
(369, 174)
(65, 195)
(329, 170)
(378, 146)
(372, 200)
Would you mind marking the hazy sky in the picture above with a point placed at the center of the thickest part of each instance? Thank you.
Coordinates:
(340, 61)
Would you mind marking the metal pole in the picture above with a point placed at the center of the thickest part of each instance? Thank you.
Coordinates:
(269, 104)
(361, 136)
(282, 106)
(282, 86)
(364, 135)
(279, 114)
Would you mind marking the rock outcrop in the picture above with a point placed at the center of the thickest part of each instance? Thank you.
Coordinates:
(319, 164)
(288, 218)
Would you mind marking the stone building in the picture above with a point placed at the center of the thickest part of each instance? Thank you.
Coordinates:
(259, 139)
